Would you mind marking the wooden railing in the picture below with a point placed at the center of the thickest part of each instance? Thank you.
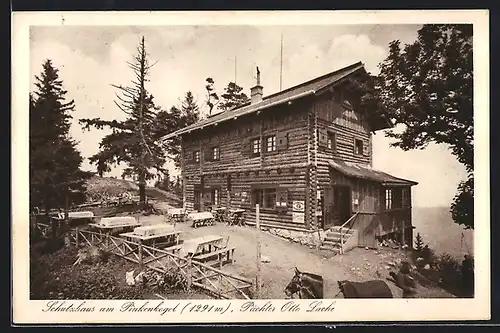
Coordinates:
(212, 280)
(348, 225)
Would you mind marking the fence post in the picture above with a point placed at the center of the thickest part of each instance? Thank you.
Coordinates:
(189, 271)
(341, 241)
(257, 224)
(77, 234)
(140, 255)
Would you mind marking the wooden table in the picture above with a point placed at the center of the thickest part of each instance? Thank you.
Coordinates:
(200, 245)
(112, 229)
(177, 214)
(170, 238)
(220, 214)
(207, 248)
(236, 216)
(201, 219)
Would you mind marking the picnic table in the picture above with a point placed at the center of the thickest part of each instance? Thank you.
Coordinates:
(155, 236)
(77, 215)
(201, 219)
(177, 214)
(207, 247)
(220, 214)
(115, 224)
(236, 216)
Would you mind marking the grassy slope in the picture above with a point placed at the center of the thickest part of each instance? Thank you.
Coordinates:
(440, 231)
(114, 187)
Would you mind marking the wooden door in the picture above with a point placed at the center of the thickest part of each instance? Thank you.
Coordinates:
(341, 204)
(328, 208)
(197, 200)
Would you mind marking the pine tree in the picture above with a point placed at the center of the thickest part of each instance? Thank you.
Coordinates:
(232, 97)
(177, 118)
(190, 110)
(134, 140)
(419, 243)
(55, 173)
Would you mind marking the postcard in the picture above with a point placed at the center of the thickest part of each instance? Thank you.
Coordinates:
(238, 167)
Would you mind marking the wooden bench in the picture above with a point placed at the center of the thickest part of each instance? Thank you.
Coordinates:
(175, 249)
(227, 252)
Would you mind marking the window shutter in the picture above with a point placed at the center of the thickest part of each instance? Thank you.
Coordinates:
(282, 141)
(208, 154)
(322, 138)
(245, 147)
(334, 142)
(366, 151)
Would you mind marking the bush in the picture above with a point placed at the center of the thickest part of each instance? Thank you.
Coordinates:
(449, 269)
(53, 276)
(443, 269)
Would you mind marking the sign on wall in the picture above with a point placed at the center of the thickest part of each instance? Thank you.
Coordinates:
(298, 206)
(298, 217)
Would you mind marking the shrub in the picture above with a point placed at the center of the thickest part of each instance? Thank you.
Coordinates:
(427, 254)
(449, 269)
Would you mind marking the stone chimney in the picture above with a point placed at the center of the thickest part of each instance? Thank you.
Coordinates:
(256, 91)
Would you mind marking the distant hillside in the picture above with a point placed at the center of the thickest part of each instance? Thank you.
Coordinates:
(439, 231)
(105, 188)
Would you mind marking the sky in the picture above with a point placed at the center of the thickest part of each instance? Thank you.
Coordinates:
(91, 58)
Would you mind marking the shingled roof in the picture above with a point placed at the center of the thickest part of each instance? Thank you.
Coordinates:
(367, 172)
(304, 89)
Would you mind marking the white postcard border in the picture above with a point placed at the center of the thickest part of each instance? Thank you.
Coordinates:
(28, 311)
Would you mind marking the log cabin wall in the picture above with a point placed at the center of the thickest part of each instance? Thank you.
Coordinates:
(243, 165)
(343, 125)
(291, 181)
(338, 128)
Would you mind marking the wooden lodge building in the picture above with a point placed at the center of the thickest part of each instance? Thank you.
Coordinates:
(303, 154)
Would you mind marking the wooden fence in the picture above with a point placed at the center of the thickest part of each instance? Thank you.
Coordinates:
(44, 229)
(199, 275)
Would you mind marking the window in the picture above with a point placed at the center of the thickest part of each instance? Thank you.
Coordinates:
(358, 147)
(355, 198)
(270, 198)
(215, 153)
(256, 146)
(197, 156)
(281, 199)
(327, 139)
(271, 143)
(331, 142)
(388, 199)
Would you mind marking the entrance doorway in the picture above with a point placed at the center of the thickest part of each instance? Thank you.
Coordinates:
(197, 200)
(337, 206)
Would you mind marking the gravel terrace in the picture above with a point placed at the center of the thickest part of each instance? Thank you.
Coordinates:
(356, 265)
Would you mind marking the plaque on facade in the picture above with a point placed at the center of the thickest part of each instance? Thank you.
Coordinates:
(297, 217)
(298, 206)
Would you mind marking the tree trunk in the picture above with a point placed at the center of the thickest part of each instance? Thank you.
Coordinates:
(51, 222)
(142, 190)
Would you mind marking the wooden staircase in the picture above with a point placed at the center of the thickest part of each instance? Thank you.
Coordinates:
(341, 239)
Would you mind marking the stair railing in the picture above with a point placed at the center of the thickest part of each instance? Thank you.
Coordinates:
(350, 220)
